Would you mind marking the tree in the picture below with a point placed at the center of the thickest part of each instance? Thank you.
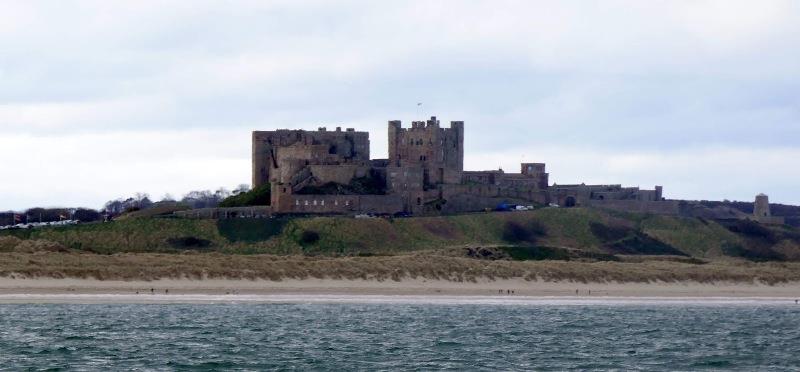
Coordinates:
(242, 188)
(200, 199)
(86, 215)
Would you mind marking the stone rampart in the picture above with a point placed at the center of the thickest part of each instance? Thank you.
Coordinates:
(668, 207)
(226, 213)
(345, 204)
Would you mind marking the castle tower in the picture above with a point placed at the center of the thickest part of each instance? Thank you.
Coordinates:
(761, 206)
(438, 151)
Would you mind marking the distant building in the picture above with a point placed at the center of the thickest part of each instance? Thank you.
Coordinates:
(762, 213)
(331, 172)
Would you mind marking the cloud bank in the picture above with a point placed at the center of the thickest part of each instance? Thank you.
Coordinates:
(102, 99)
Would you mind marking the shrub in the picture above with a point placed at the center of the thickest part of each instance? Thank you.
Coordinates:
(755, 254)
(188, 242)
(257, 196)
(514, 232)
(753, 229)
(537, 253)
(308, 237)
(608, 233)
(250, 230)
(643, 244)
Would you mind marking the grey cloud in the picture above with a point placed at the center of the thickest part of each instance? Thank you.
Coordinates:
(627, 76)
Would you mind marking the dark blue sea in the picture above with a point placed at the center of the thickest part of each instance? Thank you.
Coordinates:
(397, 336)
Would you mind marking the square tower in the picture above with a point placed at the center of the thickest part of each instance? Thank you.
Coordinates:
(438, 151)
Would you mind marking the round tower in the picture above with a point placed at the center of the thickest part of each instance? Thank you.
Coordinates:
(761, 206)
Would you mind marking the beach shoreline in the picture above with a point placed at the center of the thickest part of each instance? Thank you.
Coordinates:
(42, 290)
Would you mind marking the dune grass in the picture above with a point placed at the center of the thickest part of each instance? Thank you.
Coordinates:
(425, 265)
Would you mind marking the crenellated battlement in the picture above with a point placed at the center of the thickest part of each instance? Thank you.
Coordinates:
(330, 171)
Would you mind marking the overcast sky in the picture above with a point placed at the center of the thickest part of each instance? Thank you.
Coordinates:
(101, 99)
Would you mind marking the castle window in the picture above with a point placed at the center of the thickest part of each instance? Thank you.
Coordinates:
(346, 202)
(315, 202)
(296, 202)
(305, 202)
(336, 202)
(322, 203)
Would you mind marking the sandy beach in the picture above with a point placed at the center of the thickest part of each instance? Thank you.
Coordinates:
(212, 290)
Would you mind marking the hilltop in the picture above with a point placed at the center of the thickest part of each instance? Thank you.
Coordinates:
(582, 231)
(552, 243)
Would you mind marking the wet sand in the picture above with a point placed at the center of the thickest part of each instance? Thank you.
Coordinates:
(44, 290)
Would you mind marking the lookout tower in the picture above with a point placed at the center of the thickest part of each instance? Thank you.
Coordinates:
(761, 206)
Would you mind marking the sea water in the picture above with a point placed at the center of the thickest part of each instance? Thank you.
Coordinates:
(545, 334)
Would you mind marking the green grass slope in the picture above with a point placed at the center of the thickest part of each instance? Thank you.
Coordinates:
(594, 232)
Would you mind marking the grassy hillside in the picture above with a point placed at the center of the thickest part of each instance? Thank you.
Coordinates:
(589, 232)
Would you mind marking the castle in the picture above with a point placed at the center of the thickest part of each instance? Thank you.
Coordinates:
(331, 172)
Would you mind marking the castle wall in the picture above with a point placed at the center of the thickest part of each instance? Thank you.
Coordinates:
(320, 147)
(407, 183)
(669, 207)
(470, 198)
(481, 177)
(341, 174)
(532, 177)
(424, 174)
(343, 204)
(226, 213)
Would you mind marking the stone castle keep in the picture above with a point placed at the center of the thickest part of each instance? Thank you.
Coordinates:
(331, 172)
